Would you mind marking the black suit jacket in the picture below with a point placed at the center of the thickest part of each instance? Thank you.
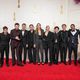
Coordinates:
(31, 38)
(56, 36)
(63, 38)
(75, 37)
(24, 38)
(48, 40)
(13, 34)
(4, 39)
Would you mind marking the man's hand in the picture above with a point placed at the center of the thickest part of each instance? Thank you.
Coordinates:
(26, 45)
(17, 38)
(34, 45)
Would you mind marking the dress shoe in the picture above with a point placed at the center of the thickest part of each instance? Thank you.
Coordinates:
(65, 63)
(69, 63)
(50, 64)
(24, 62)
(7, 65)
(34, 63)
(13, 64)
(1, 65)
(20, 64)
(38, 63)
(75, 64)
(42, 63)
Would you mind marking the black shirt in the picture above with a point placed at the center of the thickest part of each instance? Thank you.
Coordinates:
(4, 39)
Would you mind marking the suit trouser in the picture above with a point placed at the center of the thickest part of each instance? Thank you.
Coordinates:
(55, 53)
(0, 57)
(39, 48)
(46, 53)
(4, 49)
(63, 53)
(73, 48)
(32, 54)
(48, 47)
(23, 47)
(15, 51)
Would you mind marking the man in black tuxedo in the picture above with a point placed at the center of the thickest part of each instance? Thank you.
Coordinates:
(4, 45)
(24, 42)
(15, 45)
(56, 42)
(73, 43)
(31, 44)
(47, 39)
(63, 43)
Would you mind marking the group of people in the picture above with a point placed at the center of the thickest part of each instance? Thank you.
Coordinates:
(42, 47)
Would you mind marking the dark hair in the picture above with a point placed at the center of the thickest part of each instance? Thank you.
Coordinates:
(24, 24)
(63, 25)
(5, 27)
(17, 24)
(72, 25)
(31, 25)
(56, 27)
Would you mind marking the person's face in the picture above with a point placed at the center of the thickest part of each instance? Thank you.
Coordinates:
(16, 27)
(73, 27)
(31, 28)
(56, 30)
(39, 26)
(23, 27)
(47, 28)
(64, 27)
(5, 31)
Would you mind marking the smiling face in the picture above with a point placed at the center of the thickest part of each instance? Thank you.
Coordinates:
(72, 27)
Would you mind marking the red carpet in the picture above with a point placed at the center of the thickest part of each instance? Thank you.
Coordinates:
(36, 72)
